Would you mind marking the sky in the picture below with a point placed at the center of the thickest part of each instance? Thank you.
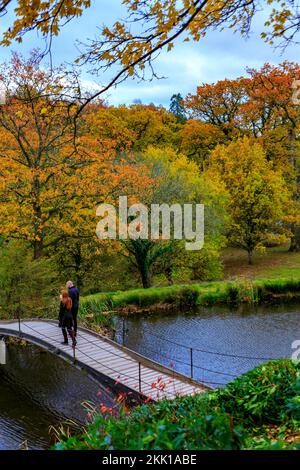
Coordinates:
(217, 56)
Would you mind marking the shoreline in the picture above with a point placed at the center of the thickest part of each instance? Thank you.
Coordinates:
(167, 299)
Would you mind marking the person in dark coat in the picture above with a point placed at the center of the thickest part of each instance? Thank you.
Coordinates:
(74, 295)
(66, 322)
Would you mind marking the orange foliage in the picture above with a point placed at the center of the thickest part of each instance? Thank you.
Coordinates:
(51, 181)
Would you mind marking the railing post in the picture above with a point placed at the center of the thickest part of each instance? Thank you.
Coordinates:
(19, 322)
(2, 351)
(140, 378)
(123, 332)
(192, 363)
(19, 316)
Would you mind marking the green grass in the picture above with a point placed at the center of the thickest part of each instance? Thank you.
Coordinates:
(224, 292)
(259, 410)
(275, 263)
(275, 275)
(179, 295)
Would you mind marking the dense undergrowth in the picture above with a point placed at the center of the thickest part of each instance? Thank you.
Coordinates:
(259, 410)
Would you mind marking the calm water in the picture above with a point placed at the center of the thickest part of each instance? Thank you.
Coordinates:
(38, 390)
(221, 335)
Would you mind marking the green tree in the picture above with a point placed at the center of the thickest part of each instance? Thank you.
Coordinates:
(27, 286)
(258, 197)
(177, 108)
(143, 255)
(176, 180)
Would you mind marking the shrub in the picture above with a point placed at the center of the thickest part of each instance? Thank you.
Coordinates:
(293, 403)
(264, 394)
(188, 296)
(222, 419)
(181, 424)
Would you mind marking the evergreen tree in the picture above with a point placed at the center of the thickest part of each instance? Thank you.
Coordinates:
(177, 108)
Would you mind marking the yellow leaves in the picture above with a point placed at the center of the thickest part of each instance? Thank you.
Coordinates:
(258, 194)
(260, 248)
(154, 22)
(65, 185)
(131, 71)
(44, 16)
(174, 165)
(280, 20)
(19, 114)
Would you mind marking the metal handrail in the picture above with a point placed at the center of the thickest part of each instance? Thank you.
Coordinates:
(139, 358)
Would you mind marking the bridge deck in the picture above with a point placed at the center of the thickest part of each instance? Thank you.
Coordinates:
(104, 358)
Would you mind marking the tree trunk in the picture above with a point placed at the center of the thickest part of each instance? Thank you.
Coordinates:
(37, 249)
(78, 262)
(169, 276)
(250, 257)
(146, 276)
(38, 243)
(295, 238)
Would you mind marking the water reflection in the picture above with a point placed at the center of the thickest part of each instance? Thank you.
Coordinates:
(217, 337)
(38, 390)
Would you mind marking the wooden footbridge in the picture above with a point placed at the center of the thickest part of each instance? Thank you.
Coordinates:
(105, 360)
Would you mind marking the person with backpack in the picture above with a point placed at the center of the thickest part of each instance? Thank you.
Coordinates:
(74, 295)
(66, 322)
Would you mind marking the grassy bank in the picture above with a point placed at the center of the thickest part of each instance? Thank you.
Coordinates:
(260, 410)
(183, 296)
(274, 263)
(275, 276)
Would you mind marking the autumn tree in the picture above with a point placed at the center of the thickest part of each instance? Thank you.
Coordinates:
(215, 118)
(156, 27)
(38, 161)
(258, 198)
(134, 127)
(51, 184)
(276, 119)
(219, 104)
(197, 139)
(251, 105)
(258, 105)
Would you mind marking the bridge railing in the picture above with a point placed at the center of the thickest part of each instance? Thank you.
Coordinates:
(142, 385)
(214, 376)
(189, 363)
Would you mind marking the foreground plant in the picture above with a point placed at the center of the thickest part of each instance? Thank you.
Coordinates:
(259, 410)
